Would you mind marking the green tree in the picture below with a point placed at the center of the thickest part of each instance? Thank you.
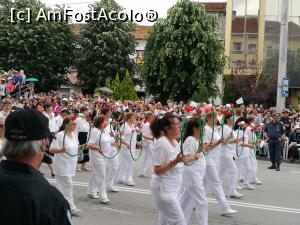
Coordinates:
(182, 53)
(42, 49)
(104, 47)
(122, 90)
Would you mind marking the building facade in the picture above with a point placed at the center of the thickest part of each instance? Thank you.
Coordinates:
(254, 38)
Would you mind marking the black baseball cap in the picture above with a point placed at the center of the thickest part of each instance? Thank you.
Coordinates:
(26, 125)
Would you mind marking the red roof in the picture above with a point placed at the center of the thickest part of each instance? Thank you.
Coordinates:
(214, 6)
(140, 32)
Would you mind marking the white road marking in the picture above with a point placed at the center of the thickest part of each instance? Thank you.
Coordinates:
(211, 200)
(294, 171)
(116, 210)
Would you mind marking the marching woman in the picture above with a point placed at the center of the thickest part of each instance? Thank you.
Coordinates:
(147, 143)
(100, 142)
(65, 150)
(112, 164)
(250, 132)
(227, 166)
(194, 195)
(125, 173)
(242, 157)
(82, 130)
(211, 177)
(168, 161)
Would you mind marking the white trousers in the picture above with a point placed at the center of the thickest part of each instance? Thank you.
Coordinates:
(112, 166)
(227, 168)
(244, 167)
(125, 172)
(253, 162)
(98, 178)
(194, 196)
(212, 180)
(146, 161)
(65, 186)
(170, 212)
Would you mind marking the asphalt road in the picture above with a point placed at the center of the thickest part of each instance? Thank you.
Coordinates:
(275, 202)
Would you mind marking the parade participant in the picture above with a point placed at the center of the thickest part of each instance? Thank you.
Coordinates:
(166, 181)
(65, 150)
(129, 142)
(242, 154)
(194, 195)
(112, 162)
(60, 117)
(6, 108)
(26, 196)
(227, 167)
(100, 142)
(82, 130)
(274, 132)
(251, 134)
(147, 143)
(48, 112)
(211, 177)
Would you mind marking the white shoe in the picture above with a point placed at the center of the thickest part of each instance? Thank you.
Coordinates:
(236, 195)
(112, 189)
(93, 196)
(257, 182)
(78, 169)
(76, 212)
(104, 200)
(249, 187)
(130, 183)
(229, 211)
(239, 187)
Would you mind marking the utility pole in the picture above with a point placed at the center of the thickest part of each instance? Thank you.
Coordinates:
(280, 103)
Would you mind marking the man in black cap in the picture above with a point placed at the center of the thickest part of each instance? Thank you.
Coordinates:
(26, 196)
(286, 121)
(274, 132)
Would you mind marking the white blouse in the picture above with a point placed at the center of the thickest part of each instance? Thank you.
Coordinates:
(164, 152)
(193, 174)
(129, 132)
(228, 150)
(64, 164)
(214, 154)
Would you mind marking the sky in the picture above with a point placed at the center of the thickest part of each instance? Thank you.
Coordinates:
(160, 6)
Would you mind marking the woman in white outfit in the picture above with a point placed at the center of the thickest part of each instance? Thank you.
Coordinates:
(148, 139)
(242, 155)
(166, 181)
(65, 149)
(211, 177)
(99, 143)
(250, 132)
(227, 166)
(125, 174)
(194, 195)
(112, 163)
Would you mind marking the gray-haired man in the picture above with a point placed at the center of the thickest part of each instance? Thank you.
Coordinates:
(26, 196)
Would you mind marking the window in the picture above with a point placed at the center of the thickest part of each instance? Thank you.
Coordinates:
(237, 46)
(252, 48)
